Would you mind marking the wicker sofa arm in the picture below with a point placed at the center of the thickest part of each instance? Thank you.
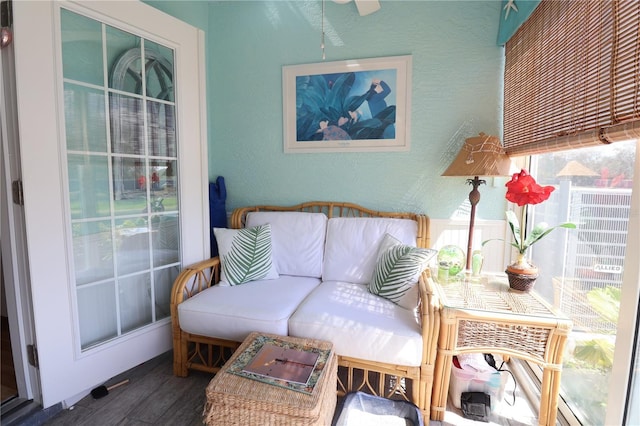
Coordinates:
(430, 323)
(192, 280)
(195, 278)
(429, 316)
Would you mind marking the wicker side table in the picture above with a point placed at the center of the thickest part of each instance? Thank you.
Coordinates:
(486, 316)
(236, 400)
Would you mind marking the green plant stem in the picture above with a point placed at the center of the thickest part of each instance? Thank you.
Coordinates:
(522, 227)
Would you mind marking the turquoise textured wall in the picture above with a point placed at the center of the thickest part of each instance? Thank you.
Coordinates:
(456, 93)
(457, 86)
(193, 12)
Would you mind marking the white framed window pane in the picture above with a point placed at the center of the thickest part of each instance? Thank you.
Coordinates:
(92, 251)
(166, 241)
(124, 52)
(88, 186)
(581, 270)
(159, 71)
(130, 181)
(85, 119)
(161, 124)
(97, 311)
(135, 302)
(163, 282)
(164, 184)
(127, 124)
(81, 48)
(132, 248)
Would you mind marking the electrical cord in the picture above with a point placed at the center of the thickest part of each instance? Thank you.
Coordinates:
(492, 362)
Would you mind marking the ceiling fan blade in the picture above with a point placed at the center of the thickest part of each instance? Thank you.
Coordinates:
(341, 1)
(367, 7)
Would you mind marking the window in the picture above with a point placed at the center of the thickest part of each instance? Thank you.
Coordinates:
(581, 270)
(571, 81)
(571, 77)
(122, 162)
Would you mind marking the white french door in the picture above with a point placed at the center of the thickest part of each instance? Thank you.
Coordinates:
(112, 135)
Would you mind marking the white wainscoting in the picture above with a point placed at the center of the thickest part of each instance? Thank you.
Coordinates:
(456, 231)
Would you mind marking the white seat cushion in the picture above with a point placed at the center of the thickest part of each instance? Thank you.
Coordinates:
(352, 245)
(297, 239)
(234, 312)
(360, 324)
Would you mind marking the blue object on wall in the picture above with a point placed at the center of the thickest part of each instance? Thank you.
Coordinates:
(217, 210)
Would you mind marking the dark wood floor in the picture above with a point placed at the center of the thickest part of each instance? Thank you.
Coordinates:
(153, 396)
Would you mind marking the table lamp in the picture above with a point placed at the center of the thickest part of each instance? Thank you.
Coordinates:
(480, 155)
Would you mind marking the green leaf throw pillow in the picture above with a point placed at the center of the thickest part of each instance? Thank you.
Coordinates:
(396, 274)
(245, 254)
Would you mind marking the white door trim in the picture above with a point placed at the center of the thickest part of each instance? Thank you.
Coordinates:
(13, 241)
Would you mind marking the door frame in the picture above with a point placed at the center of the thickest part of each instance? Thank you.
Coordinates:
(13, 248)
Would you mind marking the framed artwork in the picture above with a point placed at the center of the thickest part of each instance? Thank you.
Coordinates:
(347, 106)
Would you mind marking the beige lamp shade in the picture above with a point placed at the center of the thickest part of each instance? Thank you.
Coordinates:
(480, 155)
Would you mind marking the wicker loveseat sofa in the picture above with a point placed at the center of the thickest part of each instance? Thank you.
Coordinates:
(324, 253)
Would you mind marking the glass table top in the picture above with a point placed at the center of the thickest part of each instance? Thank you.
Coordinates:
(491, 293)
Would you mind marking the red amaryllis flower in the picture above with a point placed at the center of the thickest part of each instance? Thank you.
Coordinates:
(522, 189)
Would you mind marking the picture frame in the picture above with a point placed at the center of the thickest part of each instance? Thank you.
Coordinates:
(359, 105)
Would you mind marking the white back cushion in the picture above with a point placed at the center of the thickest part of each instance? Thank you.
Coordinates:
(297, 240)
(352, 245)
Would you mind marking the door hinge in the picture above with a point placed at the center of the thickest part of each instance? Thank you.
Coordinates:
(6, 15)
(32, 356)
(18, 195)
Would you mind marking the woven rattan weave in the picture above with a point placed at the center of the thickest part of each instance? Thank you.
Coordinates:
(487, 316)
(521, 282)
(236, 400)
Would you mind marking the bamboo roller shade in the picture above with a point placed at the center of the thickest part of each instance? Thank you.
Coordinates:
(572, 77)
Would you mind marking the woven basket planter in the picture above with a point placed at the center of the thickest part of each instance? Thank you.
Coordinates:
(521, 282)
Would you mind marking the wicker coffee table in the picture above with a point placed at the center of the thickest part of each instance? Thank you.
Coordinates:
(233, 399)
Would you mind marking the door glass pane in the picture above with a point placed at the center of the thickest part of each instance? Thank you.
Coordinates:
(164, 182)
(85, 118)
(81, 48)
(92, 251)
(163, 281)
(132, 249)
(88, 186)
(159, 71)
(166, 243)
(124, 53)
(581, 269)
(135, 302)
(122, 164)
(130, 185)
(162, 129)
(127, 124)
(97, 313)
